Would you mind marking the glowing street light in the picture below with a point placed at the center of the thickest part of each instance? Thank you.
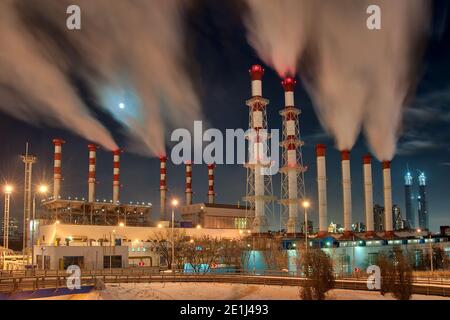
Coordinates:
(8, 189)
(174, 203)
(42, 189)
(306, 205)
(121, 224)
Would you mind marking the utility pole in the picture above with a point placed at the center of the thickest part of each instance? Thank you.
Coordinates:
(28, 160)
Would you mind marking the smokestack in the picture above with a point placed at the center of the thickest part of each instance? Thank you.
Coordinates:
(188, 183)
(368, 195)
(346, 192)
(162, 187)
(211, 193)
(91, 178)
(388, 226)
(290, 116)
(257, 115)
(57, 168)
(322, 188)
(116, 175)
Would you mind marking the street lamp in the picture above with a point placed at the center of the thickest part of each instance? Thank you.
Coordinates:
(174, 205)
(42, 190)
(306, 205)
(8, 189)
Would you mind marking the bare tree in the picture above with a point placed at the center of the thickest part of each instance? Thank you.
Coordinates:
(396, 274)
(317, 267)
(202, 252)
(162, 240)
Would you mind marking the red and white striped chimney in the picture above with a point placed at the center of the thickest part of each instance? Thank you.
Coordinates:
(387, 188)
(346, 192)
(368, 195)
(188, 183)
(211, 194)
(322, 188)
(57, 168)
(91, 179)
(116, 176)
(162, 187)
(256, 74)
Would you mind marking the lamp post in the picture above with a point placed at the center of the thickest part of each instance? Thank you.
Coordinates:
(42, 190)
(306, 205)
(7, 190)
(174, 205)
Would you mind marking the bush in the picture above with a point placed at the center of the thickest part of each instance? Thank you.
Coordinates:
(396, 275)
(317, 267)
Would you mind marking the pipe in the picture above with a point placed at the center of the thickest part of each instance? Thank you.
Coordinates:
(211, 193)
(116, 176)
(91, 178)
(322, 188)
(188, 190)
(163, 187)
(368, 195)
(346, 191)
(387, 189)
(57, 168)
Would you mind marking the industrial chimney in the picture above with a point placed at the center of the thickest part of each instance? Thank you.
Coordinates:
(188, 183)
(322, 189)
(57, 168)
(211, 194)
(116, 175)
(368, 195)
(162, 187)
(346, 192)
(388, 227)
(91, 178)
(257, 125)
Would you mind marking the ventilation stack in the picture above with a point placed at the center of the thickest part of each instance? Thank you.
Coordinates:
(162, 188)
(259, 184)
(188, 190)
(322, 189)
(116, 176)
(57, 168)
(346, 192)
(388, 224)
(292, 173)
(211, 193)
(368, 195)
(92, 178)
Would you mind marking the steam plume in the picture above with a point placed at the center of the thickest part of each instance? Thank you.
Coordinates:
(357, 77)
(124, 49)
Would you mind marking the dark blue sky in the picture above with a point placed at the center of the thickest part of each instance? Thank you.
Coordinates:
(216, 38)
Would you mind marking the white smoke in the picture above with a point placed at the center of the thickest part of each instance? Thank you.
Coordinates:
(357, 77)
(122, 45)
(34, 90)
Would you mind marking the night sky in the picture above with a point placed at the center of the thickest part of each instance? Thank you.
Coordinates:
(221, 58)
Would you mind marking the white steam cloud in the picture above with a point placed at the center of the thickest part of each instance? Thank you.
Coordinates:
(122, 46)
(358, 78)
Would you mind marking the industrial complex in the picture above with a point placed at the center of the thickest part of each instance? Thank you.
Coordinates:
(98, 234)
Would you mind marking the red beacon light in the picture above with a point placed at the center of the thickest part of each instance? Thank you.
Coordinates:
(256, 72)
(289, 83)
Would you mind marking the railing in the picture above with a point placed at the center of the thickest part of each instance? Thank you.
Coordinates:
(14, 281)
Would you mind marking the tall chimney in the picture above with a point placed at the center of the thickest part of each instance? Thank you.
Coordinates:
(368, 195)
(388, 225)
(322, 188)
(188, 183)
(116, 175)
(257, 115)
(211, 193)
(290, 144)
(57, 168)
(162, 187)
(91, 178)
(346, 192)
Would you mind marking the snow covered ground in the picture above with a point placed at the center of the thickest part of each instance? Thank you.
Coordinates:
(217, 291)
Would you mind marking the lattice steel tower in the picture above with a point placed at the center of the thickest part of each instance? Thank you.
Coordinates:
(292, 172)
(259, 190)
